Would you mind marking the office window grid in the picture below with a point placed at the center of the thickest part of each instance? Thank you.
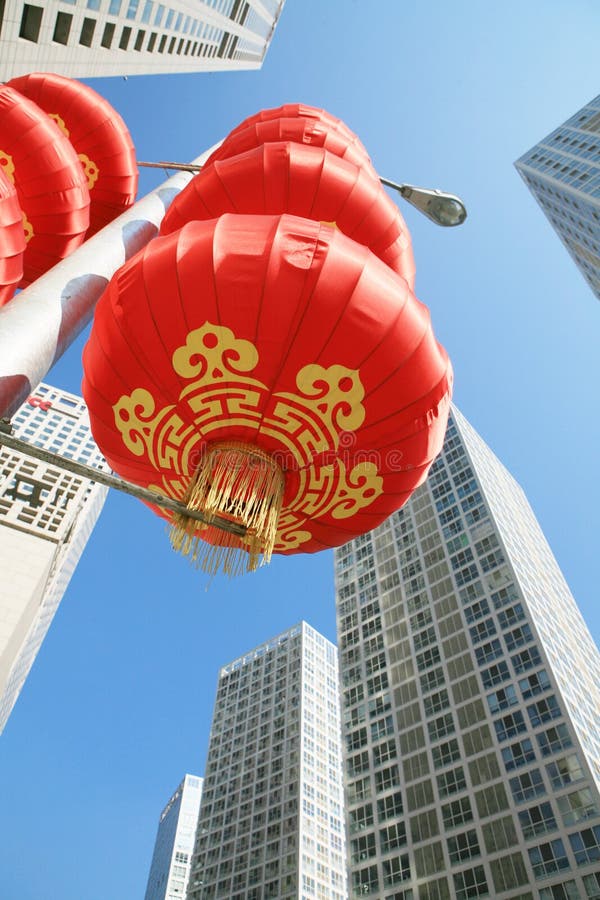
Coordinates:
(457, 626)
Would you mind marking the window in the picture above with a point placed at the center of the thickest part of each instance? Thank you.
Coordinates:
(441, 727)
(393, 836)
(509, 726)
(526, 659)
(363, 847)
(592, 885)
(502, 699)
(431, 680)
(445, 753)
(548, 858)
(488, 652)
(125, 35)
(534, 684)
(457, 813)
(482, 630)
(107, 37)
(114, 8)
(554, 739)
(389, 807)
(436, 702)
(496, 674)
(139, 41)
(577, 806)
(537, 820)
(527, 786)
(396, 870)
(470, 883)
(544, 711)
(31, 22)
(62, 28)
(451, 782)
(518, 637)
(87, 32)
(518, 754)
(568, 890)
(364, 882)
(565, 771)
(386, 778)
(463, 846)
(586, 845)
(361, 818)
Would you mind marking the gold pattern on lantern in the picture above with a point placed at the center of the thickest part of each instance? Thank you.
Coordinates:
(27, 227)
(7, 165)
(61, 123)
(222, 395)
(90, 169)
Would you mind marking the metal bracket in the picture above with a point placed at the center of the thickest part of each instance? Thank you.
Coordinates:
(7, 439)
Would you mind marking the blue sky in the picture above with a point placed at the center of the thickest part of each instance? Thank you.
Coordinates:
(119, 702)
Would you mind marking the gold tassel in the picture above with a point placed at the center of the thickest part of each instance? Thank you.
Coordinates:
(244, 484)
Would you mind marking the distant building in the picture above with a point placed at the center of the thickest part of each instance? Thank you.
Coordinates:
(471, 697)
(272, 821)
(563, 174)
(134, 37)
(170, 867)
(46, 517)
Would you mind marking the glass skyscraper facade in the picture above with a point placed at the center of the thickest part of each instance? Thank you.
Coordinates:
(174, 845)
(47, 515)
(271, 819)
(563, 174)
(470, 697)
(134, 37)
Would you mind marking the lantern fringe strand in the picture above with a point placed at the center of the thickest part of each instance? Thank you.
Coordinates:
(240, 482)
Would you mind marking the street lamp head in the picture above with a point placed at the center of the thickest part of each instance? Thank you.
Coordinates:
(442, 208)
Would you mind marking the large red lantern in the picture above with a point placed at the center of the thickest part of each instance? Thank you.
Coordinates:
(12, 239)
(99, 136)
(301, 124)
(305, 181)
(51, 186)
(269, 370)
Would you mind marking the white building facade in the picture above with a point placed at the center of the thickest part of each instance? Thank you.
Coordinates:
(271, 821)
(93, 38)
(471, 697)
(171, 860)
(563, 174)
(46, 518)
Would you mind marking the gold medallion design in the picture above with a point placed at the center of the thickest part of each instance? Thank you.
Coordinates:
(221, 396)
(61, 123)
(7, 165)
(27, 228)
(90, 169)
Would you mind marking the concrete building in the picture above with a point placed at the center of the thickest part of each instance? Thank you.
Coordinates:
(271, 821)
(134, 37)
(563, 174)
(171, 860)
(471, 697)
(46, 517)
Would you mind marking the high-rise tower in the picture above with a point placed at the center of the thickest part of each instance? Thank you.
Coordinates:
(271, 821)
(46, 517)
(471, 697)
(134, 37)
(171, 860)
(563, 174)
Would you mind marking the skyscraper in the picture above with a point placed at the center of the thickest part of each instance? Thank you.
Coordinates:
(46, 517)
(134, 37)
(471, 697)
(170, 866)
(271, 821)
(563, 174)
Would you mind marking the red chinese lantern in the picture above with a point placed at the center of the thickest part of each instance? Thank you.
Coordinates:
(269, 370)
(305, 181)
(50, 182)
(301, 124)
(12, 240)
(99, 136)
